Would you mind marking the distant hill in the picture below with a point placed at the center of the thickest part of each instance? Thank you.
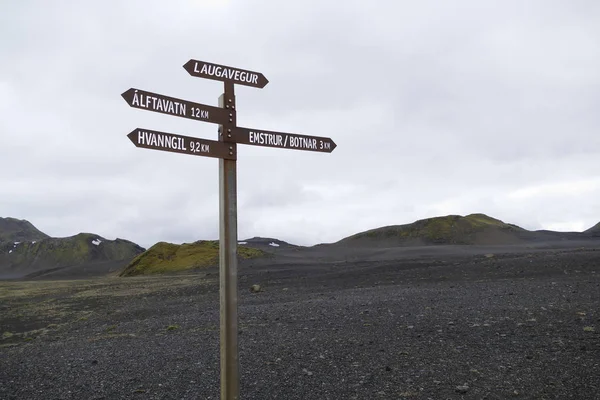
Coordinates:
(267, 244)
(594, 230)
(19, 230)
(472, 229)
(166, 257)
(27, 252)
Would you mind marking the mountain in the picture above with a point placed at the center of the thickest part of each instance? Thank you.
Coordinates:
(19, 230)
(472, 229)
(268, 244)
(166, 257)
(27, 252)
(594, 230)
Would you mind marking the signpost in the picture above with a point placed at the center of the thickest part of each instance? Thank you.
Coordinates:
(225, 149)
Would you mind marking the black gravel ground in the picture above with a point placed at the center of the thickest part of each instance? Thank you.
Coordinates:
(524, 326)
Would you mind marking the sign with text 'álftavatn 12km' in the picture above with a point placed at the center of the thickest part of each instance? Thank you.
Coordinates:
(202, 69)
(170, 105)
(282, 140)
(156, 140)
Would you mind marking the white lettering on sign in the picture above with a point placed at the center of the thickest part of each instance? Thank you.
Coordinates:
(199, 113)
(324, 145)
(158, 140)
(269, 139)
(197, 147)
(159, 104)
(224, 72)
(303, 142)
(287, 141)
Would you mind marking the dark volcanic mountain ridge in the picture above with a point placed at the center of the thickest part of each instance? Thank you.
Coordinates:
(268, 244)
(19, 230)
(594, 230)
(26, 251)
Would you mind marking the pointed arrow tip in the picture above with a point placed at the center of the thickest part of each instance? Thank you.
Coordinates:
(186, 66)
(131, 135)
(127, 95)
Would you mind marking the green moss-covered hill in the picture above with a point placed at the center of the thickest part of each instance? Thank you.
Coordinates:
(18, 230)
(26, 251)
(168, 257)
(450, 229)
(51, 253)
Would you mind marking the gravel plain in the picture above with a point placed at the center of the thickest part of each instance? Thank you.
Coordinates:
(472, 326)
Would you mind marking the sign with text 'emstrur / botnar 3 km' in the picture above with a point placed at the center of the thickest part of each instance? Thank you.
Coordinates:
(282, 140)
(225, 149)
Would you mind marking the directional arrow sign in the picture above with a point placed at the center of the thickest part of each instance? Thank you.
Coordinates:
(164, 141)
(282, 140)
(203, 69)
(180, 108)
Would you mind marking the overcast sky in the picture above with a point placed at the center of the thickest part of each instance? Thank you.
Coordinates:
(436, 107)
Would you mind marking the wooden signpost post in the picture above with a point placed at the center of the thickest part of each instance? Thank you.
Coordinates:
(225, 149)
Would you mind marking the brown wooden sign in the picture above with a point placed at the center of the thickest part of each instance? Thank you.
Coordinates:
(224, 73)
(281, 140)
(180, 108)
(156, 140)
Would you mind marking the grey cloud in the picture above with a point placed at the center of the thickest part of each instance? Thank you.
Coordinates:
(435, 108)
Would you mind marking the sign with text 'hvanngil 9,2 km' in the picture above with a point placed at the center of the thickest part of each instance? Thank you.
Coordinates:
(170, 105)
(156, 140)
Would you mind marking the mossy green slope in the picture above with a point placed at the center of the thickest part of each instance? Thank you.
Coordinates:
(450, 229)
(166, 257)
(67, 251)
